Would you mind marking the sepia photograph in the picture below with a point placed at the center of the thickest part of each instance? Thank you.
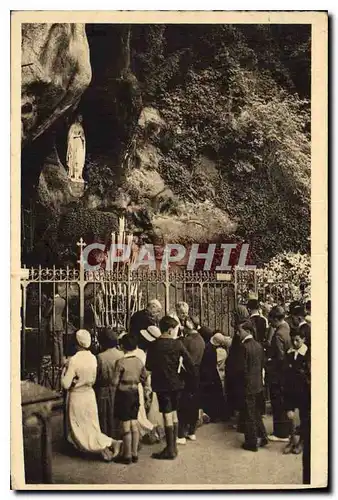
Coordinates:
(168, 234)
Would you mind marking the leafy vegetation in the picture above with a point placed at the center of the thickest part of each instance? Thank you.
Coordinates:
(234, 94)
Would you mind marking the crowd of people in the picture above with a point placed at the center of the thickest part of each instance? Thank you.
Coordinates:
(169, 374)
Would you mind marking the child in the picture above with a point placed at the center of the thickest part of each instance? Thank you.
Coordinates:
(297, 394)
(163, 359)
(129, 372)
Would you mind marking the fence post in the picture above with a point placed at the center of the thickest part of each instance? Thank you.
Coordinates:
(23, 327)
(82, 282)
(128, 297)
(201, 302)
(167, 285)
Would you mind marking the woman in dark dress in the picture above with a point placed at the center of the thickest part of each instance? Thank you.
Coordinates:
(105, 393)
(232, 369)
(211, 391)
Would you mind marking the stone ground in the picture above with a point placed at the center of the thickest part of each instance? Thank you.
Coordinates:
(216, 458)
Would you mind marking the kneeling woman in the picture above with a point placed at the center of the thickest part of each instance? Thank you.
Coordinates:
(78, 378)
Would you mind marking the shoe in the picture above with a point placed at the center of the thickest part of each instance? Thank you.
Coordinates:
(272, 437)
(107, 455)
(297, 449)
(264, 442)
(164, 455)
(181, 441)
(134, 459)
(115, 447)
(288, 448)
(205, 418)
(192, 437)
(123, 460)
(248, 447)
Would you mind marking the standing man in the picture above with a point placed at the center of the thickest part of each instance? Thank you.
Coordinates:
(280, 344)
(261, 323)
(56, 327)
(181, 315)
(144, 318)
(250, 383)
(189, 400)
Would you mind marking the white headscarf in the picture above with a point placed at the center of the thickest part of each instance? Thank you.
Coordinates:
(83, 338)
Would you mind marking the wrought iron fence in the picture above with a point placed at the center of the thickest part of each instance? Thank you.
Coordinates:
(95, 299)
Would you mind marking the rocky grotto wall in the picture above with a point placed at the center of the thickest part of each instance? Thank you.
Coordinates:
(92, 69)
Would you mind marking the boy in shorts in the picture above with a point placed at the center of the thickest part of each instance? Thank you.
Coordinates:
(163, 361)
(129, 372)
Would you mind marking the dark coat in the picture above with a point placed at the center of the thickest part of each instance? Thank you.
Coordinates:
(195, 346)
(163, 358)
(306, 329)
(212, 399)
(297, 377)
(251, 365)
(280, 344)
(261, 328)
(208, 369)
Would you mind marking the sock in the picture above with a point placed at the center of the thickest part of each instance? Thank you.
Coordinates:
(127, 445)
(169, 435)
(192, 429)
(135, 437)
(180, 428)
(175, 430)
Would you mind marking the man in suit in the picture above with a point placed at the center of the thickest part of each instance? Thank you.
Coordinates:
(280, 344)
(251, 384)
(56, 327)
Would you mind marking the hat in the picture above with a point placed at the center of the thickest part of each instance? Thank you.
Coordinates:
(151, 333)
(206, 333)
(218, 340)
(83, 338)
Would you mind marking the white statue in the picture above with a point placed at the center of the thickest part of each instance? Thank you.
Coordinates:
(76, 150)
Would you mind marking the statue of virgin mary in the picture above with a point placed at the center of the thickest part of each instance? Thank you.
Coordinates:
(76, 150)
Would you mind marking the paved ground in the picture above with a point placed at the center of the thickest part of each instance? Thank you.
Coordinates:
(215, 458)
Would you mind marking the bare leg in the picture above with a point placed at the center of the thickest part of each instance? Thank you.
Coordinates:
(135, 437)
(126, 439)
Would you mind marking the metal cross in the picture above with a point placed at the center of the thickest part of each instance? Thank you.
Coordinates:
(81, 244)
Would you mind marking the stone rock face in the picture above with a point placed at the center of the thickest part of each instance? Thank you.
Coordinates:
(55, 69)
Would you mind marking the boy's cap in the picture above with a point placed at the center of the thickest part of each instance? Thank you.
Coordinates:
(83, 338)
(151, 333)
